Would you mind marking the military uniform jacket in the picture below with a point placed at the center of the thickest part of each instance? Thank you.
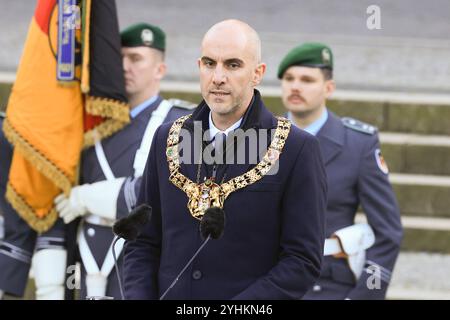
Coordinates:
(350, 151)
(18, 244)
(120, 150)
(272, 244)
(20, 240)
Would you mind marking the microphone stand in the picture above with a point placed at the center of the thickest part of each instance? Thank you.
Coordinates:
(117, 267)
(185, 267)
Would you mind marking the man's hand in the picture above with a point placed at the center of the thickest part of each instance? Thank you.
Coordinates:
(70, 208)
(98, 198)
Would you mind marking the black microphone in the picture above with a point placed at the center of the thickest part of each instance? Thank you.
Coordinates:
(211, 227)
(129, 228)
(213, 223)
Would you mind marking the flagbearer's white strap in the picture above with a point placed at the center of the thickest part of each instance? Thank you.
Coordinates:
(97, 279)
(100, 153)
(156, 120)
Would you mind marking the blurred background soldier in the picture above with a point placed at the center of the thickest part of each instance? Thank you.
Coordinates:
(20, 241)
(359, 258)
(15, 254)
(111, 170)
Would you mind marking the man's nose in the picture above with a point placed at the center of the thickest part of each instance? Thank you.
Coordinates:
(125, 64)
(219, 76)
(296, 86)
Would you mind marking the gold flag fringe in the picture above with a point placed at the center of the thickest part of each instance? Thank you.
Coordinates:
(117, 112)
(110, 108)
(40, 225)
(39, 161)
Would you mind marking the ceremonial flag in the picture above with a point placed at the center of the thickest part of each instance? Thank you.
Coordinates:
(69, 91)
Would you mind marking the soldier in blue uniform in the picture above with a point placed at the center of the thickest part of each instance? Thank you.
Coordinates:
(15, 254)
(272, 242)
(359, 258)
(21, 245)
(112, 169)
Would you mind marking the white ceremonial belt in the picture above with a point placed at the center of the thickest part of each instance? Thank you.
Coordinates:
(97, 278)
(99, 221)
(332, 247)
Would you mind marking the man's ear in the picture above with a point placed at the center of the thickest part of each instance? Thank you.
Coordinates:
(260, 70)
(330, 86)
(161, 70)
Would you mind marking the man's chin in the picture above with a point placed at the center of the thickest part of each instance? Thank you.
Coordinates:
(302, 113)
(129, 90)
(220, 107)
(296, 107)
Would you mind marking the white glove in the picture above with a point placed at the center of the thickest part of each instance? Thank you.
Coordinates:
(99, 198)
(49, 269)
(70, 208)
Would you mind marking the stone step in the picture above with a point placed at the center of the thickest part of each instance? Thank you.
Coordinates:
(417, 154)
(423, 233)
(408, 293)
(422, 195)
(392, 112)
(420, 276)
(428, 240)
(422, 118)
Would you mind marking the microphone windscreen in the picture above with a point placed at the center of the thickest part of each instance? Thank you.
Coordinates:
(129, 226)
(213, 223)
(141, 214)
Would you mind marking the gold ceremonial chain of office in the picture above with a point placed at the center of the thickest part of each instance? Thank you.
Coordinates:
(210, 194)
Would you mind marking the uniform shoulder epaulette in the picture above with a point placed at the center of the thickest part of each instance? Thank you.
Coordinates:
(2, 115)
(183, 104)
(359, 125)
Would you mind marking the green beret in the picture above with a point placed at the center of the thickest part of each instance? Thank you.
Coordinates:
(143, 34)
(310, 54)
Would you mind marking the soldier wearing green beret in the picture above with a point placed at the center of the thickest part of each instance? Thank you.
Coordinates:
(143, 47)
(111, 171)
(358, 258)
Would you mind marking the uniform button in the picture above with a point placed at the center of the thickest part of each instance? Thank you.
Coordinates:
(91, 232)
(317, 288)
(197, 275)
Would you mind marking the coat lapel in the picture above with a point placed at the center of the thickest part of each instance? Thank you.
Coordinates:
(331, 137)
